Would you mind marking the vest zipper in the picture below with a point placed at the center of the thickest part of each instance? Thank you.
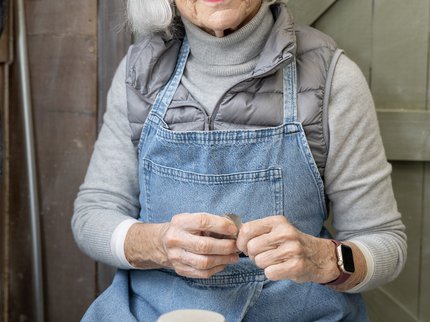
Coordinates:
(283, 61)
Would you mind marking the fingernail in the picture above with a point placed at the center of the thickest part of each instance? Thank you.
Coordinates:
(232, 229)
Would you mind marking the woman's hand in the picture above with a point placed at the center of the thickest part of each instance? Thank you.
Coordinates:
(186, 244)
(286, 253)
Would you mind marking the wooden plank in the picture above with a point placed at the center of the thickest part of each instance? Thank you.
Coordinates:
(65, 142)
(4, 213)
(69, 84)
(382, 308)
(399, 300)
(406, 134)
(307, 12)
(408, 187)
(376, 34)
(113, 41)
(4, 44)
(62, 48)
(400, 52)
(424, 313)
(5, 179)
(77, 17)
(349, 22)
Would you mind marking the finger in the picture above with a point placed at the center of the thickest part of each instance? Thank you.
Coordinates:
(292, 269)
(271, 257)
(186, 261)
(205, 262)
(198, 222)
(264, 227)
(250, 230)
(205, 245)
(264, 243)
(188, 271)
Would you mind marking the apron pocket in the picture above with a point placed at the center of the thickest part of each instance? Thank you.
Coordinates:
(154, 292)
(169, 191)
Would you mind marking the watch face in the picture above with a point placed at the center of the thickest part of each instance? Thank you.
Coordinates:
(348, 260)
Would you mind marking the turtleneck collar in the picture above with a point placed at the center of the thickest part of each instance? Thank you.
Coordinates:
(242, 45)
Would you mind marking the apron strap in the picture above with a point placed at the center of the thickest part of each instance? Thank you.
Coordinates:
(165, 96)
(290, 92)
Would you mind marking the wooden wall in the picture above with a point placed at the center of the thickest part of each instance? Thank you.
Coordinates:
(72, 60)
(74, 48)
(389, 41)
(4, 71)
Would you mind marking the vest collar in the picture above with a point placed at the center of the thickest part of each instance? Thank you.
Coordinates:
(281, 44)
(279, 49)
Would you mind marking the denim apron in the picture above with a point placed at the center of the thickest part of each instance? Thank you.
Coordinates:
(251, 173)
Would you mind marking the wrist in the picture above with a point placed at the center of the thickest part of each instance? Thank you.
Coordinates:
(331, 271)
(344, 262)
(142, 246)
(117, 243)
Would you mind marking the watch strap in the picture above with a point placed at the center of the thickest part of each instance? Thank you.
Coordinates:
(343, 275)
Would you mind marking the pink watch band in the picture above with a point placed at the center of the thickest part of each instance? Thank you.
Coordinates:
(343, 275)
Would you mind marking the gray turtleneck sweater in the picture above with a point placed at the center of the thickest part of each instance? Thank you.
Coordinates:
(209, 64)
(107, 203)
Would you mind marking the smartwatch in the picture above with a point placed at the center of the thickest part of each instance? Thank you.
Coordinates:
(345, 262)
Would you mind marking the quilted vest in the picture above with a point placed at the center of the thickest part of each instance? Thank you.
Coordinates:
(253, 103)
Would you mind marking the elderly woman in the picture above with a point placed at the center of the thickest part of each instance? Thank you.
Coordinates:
(226, 107)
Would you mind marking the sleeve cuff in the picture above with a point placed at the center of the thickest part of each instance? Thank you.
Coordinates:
(118, 240)
(370, 267)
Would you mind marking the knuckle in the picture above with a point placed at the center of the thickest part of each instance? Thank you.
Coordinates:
(282, 218)
(202, 263)
(204, 221)
(271, 274)
(202, 274)
(206, 274)
(294, 234)
(179, 219)
(176, 219)
(284, 230)
(202, 246)
(180, 271)
(252, 248)
(231, 246)
(279, 219)
(299, 267)
(245, 229)
(260, 262)
(206, 263)
(296, 247)
(296, 269)
(173, 257)
(193, 262)
(170, 241)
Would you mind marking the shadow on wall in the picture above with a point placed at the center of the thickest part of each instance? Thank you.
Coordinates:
(3, 14)
(3, 18)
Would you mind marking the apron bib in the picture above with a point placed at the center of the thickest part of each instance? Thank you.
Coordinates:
(251, 173)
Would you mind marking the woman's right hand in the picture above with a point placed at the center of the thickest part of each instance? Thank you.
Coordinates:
(186, 244)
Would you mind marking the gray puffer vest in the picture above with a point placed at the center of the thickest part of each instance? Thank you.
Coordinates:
(255, 102)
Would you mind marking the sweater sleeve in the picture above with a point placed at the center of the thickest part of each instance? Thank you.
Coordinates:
(358, 179)
(109, 194)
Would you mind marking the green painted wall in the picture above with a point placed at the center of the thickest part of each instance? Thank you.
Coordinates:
(389, 40)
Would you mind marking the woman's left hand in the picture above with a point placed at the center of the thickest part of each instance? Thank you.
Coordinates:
(286, 253)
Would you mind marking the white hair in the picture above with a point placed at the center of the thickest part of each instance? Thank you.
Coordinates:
(149, 16)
